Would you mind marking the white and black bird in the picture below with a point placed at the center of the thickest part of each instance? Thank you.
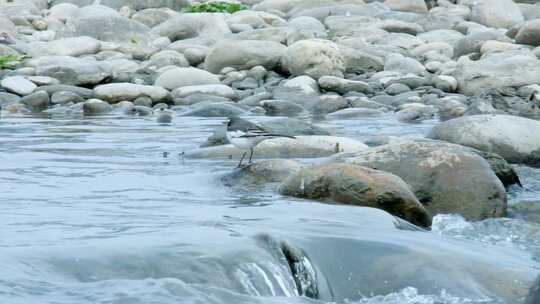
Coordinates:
(245, 135)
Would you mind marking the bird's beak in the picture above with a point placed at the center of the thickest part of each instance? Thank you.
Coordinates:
(225, 123)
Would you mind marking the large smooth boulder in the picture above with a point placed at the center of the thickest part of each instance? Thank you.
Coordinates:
(301, 146)
(18, 85)
(115, 92)
(496, 13)
(517, 139)
(356, 185)
(529, 33)
(244, 55)
(314, 58)
(72, 70)
(446, 178)
(181, 77)
(75, 46)
(497, 70)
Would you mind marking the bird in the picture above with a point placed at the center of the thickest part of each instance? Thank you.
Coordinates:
(245, 135)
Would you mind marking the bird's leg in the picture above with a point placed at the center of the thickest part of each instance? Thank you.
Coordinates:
(250, 155)
(241, 159)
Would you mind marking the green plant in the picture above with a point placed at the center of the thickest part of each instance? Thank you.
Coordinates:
(10, 61)
(215, 7)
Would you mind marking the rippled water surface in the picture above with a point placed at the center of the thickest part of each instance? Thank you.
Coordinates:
(92, 212)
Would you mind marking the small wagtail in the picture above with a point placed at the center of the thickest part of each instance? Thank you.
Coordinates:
(246, 135)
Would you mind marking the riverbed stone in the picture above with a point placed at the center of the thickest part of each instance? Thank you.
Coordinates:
(72, 70)
(529, 33)
(220, 90)
(496, 13)
(18, 85)
(497, 70)
(357, 185)
(314, 58)
(342, 85)
(244, 55)
(214, 109)
(517, 139)
(37, 100)
(300, 147)
(96, 107)
(446, 178)
(115, 92)
(182, 77)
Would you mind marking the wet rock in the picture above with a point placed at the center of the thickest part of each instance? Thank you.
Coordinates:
(527, 211)
(415, 112)
(182, 77)
(18, 85)
(446, 178)
(354, 113)
(63, 97)
(164, 116)
(215, 110)
(282, 108)
(96, 107)
(314, 58)
(261, 172)
(115, 92)
(7, 98)
(218, 90)
(142, 110)
(504, 171)
(301, 146)
(244, 55)
(515, 138)
(36, 101)
(357, 185)
(341, 85)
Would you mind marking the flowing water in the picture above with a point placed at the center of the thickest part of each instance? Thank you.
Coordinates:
(92, 212)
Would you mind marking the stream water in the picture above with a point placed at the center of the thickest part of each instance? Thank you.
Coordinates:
(92, 212)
